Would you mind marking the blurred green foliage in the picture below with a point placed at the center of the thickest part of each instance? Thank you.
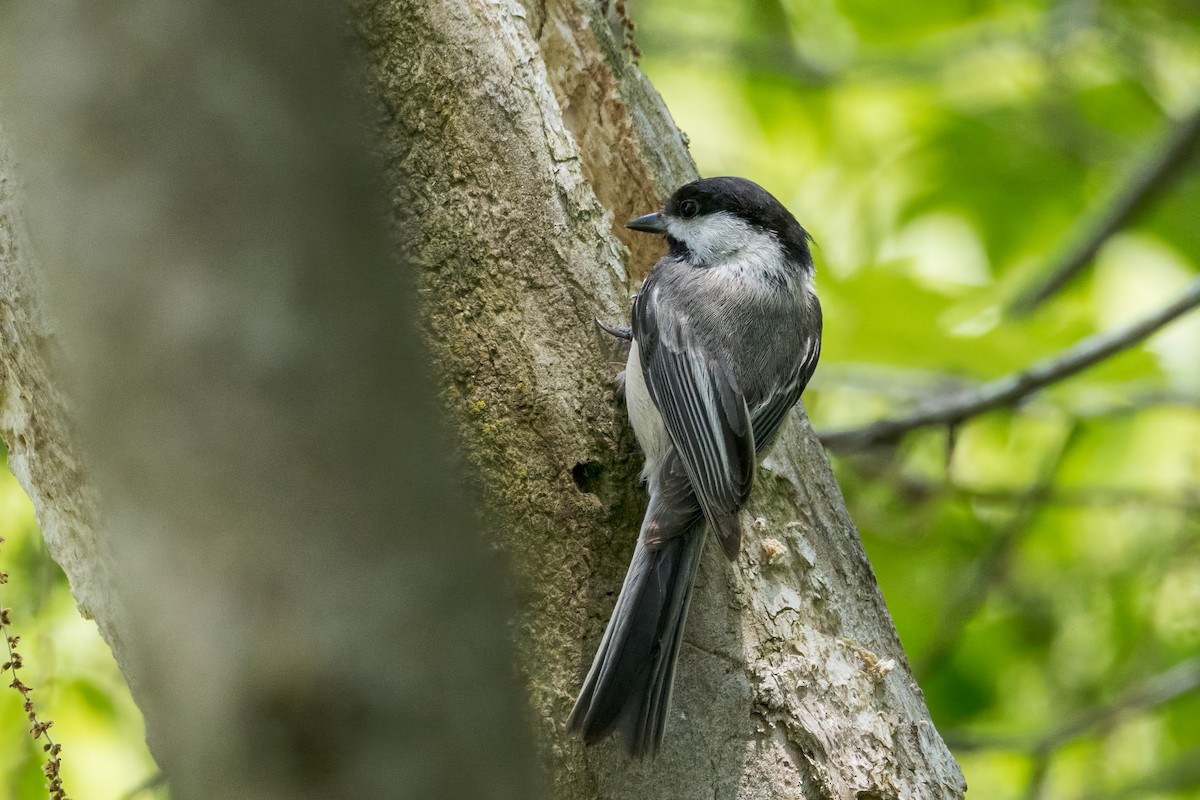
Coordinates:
(1043, 565)
(75, 681)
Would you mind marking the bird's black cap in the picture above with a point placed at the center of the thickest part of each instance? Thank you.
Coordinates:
(748, 201)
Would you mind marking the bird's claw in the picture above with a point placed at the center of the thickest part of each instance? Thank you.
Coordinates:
(620, 333)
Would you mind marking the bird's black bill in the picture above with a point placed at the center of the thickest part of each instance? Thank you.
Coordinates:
(650, 223)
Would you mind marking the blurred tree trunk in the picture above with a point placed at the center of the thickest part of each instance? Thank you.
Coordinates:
(284, 560)
(515, 140)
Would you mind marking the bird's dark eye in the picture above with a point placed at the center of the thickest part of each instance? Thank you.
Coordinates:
(689, 209)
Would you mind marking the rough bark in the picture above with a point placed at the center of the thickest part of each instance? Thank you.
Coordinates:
(515, 139)
(311, 610)
(519, 137)
(38, 430)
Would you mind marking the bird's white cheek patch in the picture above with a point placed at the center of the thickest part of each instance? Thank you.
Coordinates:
(714, 237)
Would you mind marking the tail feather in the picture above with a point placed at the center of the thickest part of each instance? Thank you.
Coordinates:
(629, 685)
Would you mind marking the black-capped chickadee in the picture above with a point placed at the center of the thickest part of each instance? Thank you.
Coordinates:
(726, 333)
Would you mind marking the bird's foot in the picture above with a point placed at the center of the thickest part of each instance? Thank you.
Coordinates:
(620, 333)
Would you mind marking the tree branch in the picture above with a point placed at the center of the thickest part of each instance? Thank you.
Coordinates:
(545, 134)
(1178, 775)
(1148, 182)
(918, 490)
(1012, 388)
(903, 386)
(989, 567)
(309, 609)
(1035, 787)
(1157, 690)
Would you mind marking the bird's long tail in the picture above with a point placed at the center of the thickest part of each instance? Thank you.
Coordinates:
(629, 685)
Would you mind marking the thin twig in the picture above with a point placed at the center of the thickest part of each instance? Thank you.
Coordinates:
(973, 591)
(1138, 403)
(916, 490)
(974, 588)
(1178, 775)
(1010, 389)
(1147, 183)
(1039, 772)
(1157, 690)
(900, 386)
(907, 388)
(145, 787)
(38, 728)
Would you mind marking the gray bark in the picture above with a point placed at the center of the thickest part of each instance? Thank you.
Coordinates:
(515, 140)
(37, 428)
(525, 136)
(310, 610)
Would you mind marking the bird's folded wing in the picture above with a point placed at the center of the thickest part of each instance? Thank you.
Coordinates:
(769, 413)
(705, 415)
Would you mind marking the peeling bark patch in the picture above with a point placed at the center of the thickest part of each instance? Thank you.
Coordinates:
(773, 551)
(587, 475)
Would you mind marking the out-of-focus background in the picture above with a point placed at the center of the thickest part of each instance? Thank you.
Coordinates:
(1044, 571)
(75, 681)
(1043, 564)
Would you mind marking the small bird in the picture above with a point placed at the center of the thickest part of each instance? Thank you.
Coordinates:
(726, 334)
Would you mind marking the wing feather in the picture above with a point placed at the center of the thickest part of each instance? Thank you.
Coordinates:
(706, 418)
(769, 414)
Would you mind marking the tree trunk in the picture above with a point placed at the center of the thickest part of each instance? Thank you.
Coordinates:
(516, 139)
(299, 596)
(525, 136)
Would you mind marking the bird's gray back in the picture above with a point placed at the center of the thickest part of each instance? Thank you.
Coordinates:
(752, 322)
